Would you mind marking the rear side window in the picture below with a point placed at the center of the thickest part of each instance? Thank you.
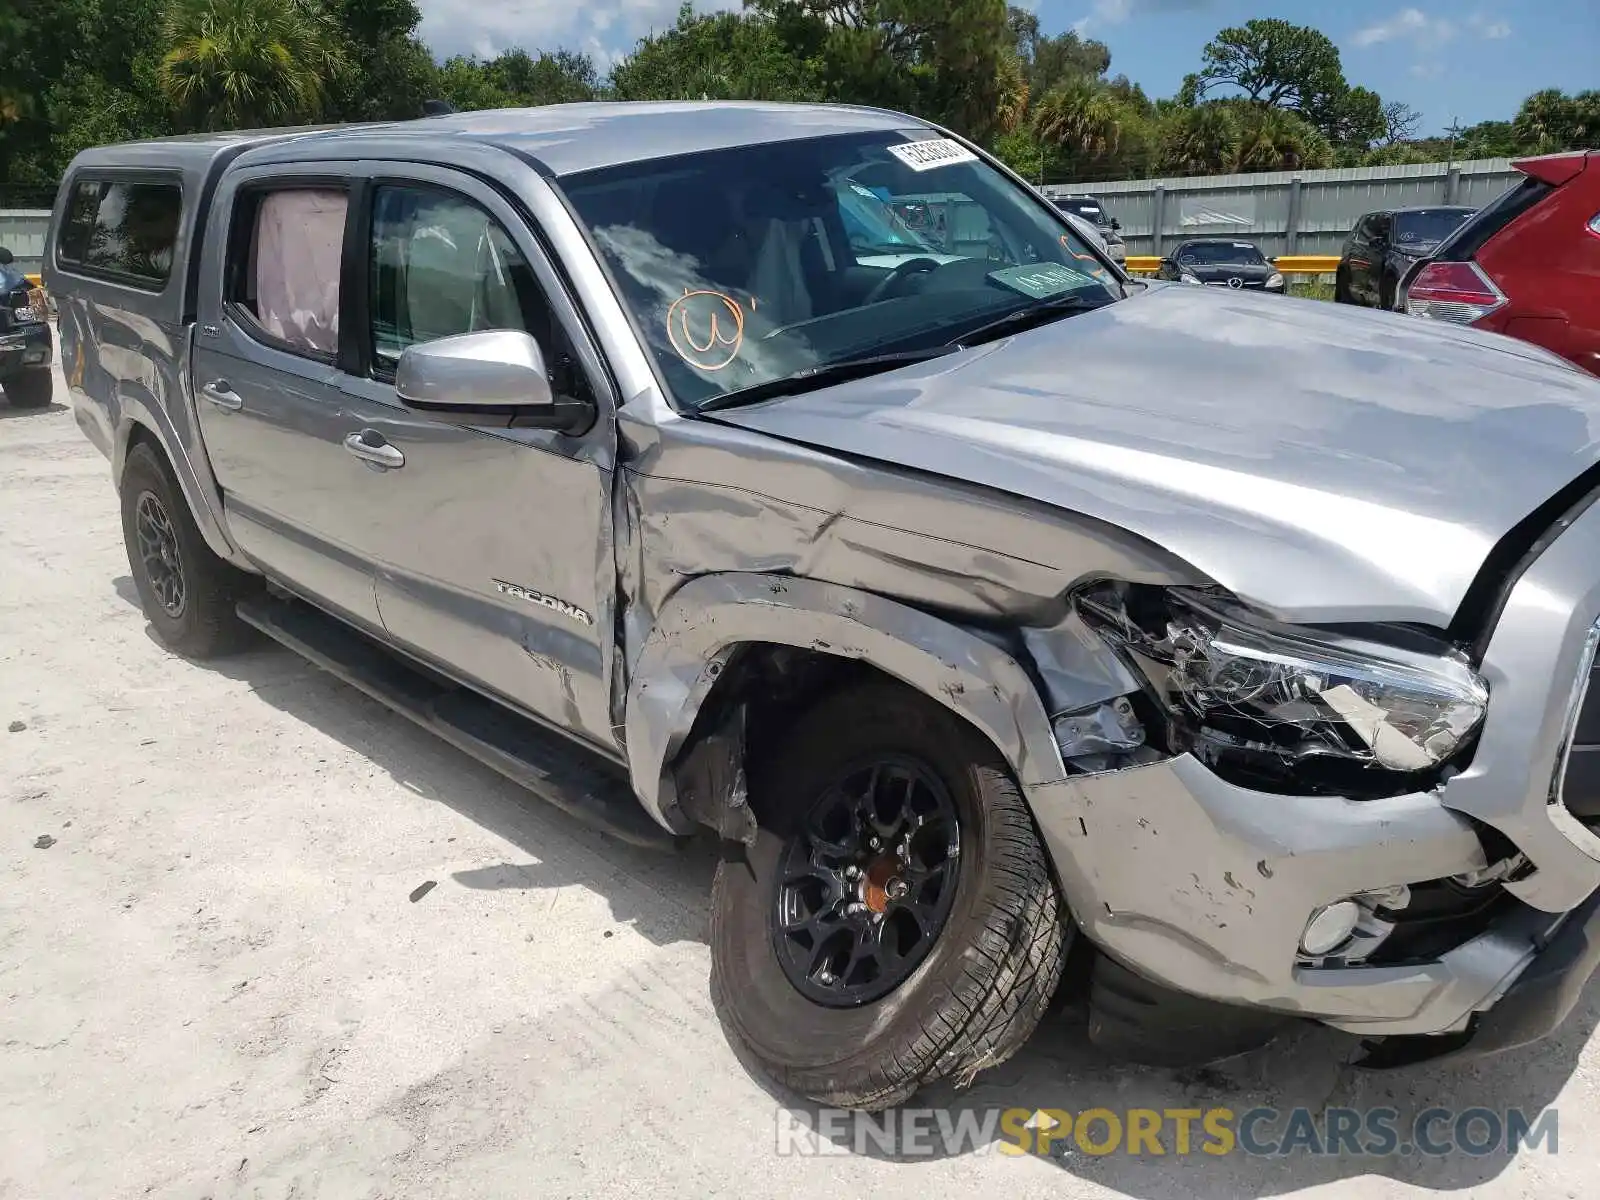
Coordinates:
(124, 229)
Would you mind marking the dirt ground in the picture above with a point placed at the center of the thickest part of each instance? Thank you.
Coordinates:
(260, 938)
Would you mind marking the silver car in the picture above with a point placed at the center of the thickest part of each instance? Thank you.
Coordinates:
(797, 474)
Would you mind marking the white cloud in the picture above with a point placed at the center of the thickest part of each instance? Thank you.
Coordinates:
(607, 29)
(1115, 12)
(1409, 24)
(1489, 27)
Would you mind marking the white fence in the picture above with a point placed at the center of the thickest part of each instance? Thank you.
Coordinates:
(1286, 212)
(22, 232)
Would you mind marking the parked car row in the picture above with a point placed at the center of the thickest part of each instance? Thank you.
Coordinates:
(1527, 265)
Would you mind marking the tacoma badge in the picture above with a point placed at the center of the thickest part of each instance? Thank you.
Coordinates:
(552, 602)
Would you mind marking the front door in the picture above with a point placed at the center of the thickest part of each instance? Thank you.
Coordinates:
(492, 546)
(267, 388)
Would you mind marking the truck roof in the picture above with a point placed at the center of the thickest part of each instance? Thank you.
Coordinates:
(561, 139)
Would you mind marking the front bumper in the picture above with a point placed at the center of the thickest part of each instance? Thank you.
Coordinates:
(1207, 887)
(26, 349)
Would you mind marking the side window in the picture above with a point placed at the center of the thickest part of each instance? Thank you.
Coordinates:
(442, 266)
(284, 261)
(126, 230)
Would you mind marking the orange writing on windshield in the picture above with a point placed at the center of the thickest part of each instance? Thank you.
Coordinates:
(706, 328)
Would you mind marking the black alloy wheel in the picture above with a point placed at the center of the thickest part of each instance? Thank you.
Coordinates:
(865, 885)
(158, 551)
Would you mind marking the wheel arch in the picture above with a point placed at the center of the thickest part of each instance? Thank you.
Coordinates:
(138, 426)
(698, 659)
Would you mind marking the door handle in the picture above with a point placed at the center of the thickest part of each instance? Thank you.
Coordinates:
(370, 447)
(223, 396)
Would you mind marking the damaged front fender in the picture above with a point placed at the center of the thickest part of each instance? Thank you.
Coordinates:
(709, 618)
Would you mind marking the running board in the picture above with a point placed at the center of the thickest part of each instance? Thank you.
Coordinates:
(554, 768)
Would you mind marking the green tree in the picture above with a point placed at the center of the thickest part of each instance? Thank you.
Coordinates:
(1282, 65)
(1274, 62)
(390, 72)
(1203, 140)
(235, 64)
(721, 56)
(1271, 139)
(1083, 120)
(1550, 121)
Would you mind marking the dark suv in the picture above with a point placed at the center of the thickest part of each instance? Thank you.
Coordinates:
(25, 341)
(1384, 245)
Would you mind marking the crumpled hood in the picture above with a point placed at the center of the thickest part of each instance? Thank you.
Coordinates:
(1328, 463)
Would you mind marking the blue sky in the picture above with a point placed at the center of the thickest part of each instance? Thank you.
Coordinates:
(1473, 60)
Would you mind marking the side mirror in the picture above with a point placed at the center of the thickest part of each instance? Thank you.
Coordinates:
(6, 258)
(496, 377)
(1116, 224)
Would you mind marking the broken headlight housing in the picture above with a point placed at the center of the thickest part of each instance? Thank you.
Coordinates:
(1283, 708)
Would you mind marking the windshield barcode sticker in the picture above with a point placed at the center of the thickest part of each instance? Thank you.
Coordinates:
(939, 152)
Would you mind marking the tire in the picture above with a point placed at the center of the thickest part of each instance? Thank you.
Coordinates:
(987, 973)
(30, 389)
(1386, 291)
(1341, 288)
(1134, 1020)
(203, 623)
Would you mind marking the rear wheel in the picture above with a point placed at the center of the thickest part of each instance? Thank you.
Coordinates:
(895, 922)
(187, 592)
(30, 389)
(1386, 292)
(1341, 287)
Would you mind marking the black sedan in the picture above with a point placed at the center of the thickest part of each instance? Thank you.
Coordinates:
(1222, 262)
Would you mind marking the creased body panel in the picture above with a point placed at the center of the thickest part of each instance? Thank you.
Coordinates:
(689, 645)
(1329, 465)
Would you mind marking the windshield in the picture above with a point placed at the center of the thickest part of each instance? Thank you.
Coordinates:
(1198, 254)
(757, 263)
(1089, 210)
(1428, 226)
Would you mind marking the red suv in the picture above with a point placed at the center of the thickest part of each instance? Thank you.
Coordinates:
(1528, 265)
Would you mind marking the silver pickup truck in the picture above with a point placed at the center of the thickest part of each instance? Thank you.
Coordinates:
(995, 612)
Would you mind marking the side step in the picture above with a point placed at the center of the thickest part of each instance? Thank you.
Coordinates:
(553, 767)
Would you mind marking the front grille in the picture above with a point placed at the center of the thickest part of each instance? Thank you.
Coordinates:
(1580, 780)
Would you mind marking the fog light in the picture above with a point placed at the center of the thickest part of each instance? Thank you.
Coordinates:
(1330, 927)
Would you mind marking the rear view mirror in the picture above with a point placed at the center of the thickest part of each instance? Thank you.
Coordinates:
(496, 377)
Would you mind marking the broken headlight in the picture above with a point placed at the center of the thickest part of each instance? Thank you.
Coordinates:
(1278, 704)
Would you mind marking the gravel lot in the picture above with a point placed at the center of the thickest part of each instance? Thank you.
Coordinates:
(224, 976)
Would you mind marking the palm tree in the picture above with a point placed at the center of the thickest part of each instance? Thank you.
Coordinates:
(237, 64)
(1083, 119)
(1271, 139)
(1012, 109)
(1202, 140)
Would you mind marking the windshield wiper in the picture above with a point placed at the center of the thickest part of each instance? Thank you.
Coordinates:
(822, 376)
(1040, 312)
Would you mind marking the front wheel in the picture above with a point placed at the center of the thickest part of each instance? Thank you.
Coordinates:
(896, 922)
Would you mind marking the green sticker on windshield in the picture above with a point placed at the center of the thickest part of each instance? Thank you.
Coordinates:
(1040, 280)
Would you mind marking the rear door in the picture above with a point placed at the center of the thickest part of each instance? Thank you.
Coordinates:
(492, 546)
(266, 378)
